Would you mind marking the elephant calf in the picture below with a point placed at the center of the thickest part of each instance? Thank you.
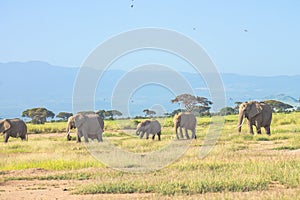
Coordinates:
(13, 128)
(88, 124)
(151, 126)
(187, 121)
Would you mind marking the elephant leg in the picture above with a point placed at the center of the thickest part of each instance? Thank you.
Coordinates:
(86, 138)
(193, 134)
(186, 134)
(158, 134)
(153, 136)
(78, 137)
(142, 134)
(177, 134)
(258, 129)
(99, 137)
(69, 137)
(147, 135)
(181, 135)
(268, 131)
(250, 128)
(23, 137)
(6, 136)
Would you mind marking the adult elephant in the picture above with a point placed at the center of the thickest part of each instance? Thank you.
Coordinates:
(151, 126)
(88, 124)
(13, 128)
(258, 114)
(187, 121)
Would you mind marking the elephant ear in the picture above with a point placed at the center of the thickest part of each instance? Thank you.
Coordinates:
(255, 109)
(79, 120)
(6, 124)
(179, 118)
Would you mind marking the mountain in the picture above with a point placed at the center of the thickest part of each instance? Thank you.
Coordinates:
(26, 85)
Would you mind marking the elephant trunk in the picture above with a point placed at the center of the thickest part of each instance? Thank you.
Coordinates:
(138, 131)
(68, 130)
(176, 125)
(240, 121)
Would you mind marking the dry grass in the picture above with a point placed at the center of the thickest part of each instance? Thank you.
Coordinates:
(239, 166)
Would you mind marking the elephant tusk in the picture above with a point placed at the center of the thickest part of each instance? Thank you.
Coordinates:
(69, 132)
(241, 123)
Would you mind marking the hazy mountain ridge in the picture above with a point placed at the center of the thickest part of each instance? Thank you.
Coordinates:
(39, 84)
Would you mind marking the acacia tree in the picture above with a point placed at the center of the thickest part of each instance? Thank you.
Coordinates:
(149, 112)
(38, 115)
(278, 106)
(108, 114)
(227, 111)
(201, 104)
(237, 106)
(64, 115)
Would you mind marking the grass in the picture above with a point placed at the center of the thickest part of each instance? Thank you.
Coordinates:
(238, 163)
(57, 127)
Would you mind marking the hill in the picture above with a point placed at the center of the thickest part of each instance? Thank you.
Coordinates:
(39, 84)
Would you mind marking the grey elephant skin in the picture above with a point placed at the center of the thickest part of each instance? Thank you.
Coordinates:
(186, 121)
(89, 125)
(259, 114)
(150, 126)
(13, 128)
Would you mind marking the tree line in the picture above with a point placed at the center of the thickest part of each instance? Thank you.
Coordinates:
(197, 105)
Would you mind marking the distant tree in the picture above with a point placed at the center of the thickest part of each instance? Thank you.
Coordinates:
(278, 106)
(149, 112)
(227, 111)
(38, 115)
(175, 112)
(237, 105)
(111, 113)
(64, 115)
(193, 102)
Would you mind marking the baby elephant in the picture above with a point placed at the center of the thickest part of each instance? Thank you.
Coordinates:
(14, 128)
(149, 126)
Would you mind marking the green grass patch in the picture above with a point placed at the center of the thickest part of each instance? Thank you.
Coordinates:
(287, 148)
(59, 164)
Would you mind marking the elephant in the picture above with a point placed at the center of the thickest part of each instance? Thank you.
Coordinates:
(88, 124)
(151, 126)
(13, 128)
(258, 114)
(187, 121)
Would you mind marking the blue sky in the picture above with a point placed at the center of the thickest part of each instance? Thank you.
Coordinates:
(255, 37)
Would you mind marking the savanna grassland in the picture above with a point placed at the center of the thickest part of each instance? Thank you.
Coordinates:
(240, 166)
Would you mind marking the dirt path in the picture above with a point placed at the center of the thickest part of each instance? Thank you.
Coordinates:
(54, 189)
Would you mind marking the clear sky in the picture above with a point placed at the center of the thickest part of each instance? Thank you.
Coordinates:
(256, 37)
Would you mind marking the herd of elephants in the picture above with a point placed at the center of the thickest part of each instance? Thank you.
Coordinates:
(91, 125)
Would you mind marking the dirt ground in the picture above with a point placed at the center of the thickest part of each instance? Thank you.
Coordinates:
(54, 189)
(62, 189)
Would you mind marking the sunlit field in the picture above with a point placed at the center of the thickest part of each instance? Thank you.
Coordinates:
(241, 166)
